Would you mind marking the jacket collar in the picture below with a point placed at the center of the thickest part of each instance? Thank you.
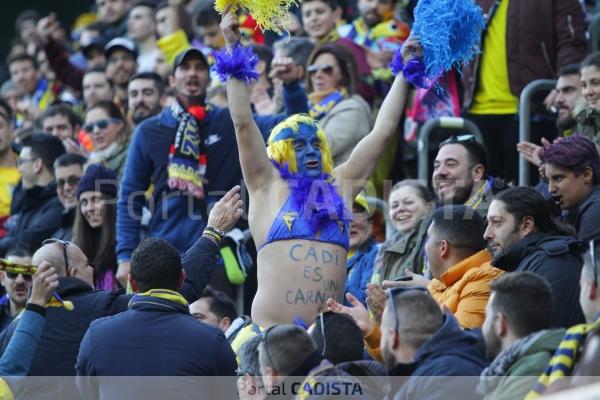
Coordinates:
(510, 260)
(69, 286)
(456, 272)
(145, 301)
(551, 244)
(591, 197)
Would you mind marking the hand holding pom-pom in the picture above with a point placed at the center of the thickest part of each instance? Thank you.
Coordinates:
(230, 25)
(411, 49)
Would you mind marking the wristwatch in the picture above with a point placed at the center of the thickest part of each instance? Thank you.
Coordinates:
(215, 230)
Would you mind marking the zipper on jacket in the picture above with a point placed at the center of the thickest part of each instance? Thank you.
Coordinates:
(570, 26)
(547, 58)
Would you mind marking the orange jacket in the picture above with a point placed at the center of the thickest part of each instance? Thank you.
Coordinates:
(465, 288)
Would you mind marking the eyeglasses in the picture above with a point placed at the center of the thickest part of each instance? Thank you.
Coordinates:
(266, 346)
(14, 275)
(101, 124)
(64, 245)
(314, 68)
(593, 260)
(459, 139)
(391, 293)
(21, 161)
(71, 180)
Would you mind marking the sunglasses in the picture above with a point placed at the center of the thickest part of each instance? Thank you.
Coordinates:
(71, 180)
(459, 139)
(101, 124)
(14, 275)
(64, 245)
(391, 293)
(593, 260)
(314, 68)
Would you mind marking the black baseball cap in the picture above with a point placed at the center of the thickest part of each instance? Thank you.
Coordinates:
(189, 52)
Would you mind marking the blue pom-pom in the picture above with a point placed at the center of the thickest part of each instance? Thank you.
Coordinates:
(240, 63)
(449, 32)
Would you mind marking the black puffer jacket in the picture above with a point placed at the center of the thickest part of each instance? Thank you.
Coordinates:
(556, 259)
(36, 214)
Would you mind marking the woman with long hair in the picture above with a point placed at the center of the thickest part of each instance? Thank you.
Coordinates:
(94, 230)
(110, 134)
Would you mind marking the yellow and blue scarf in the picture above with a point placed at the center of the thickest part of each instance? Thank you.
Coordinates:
(565, 357)
(322, 102)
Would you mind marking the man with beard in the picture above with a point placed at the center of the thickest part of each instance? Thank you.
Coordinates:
(568, 90)
(523, 237)
(460, 174)
(121, 54)
(144, 96)
(421, 342)
(16, 285)
(517, 335)
(188, 133)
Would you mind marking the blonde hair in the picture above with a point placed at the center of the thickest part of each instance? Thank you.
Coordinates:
(282, 150)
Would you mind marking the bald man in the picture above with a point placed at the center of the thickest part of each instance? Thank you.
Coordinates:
(57, 352)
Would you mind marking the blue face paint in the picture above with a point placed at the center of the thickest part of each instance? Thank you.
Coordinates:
(308, 154)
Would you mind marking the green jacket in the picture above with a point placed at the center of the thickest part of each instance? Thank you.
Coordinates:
(407, 253)
(523, 374)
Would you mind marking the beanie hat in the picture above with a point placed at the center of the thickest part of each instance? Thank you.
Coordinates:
(98, 178)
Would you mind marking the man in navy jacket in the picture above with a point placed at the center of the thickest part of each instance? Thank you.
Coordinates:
(176, 215)
(156, 336)
(428, 346)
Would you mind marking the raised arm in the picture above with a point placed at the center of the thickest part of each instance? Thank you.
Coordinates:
(363, 160)
(256, 167)
(364, 157)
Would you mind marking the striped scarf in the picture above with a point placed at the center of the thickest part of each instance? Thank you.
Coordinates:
(322, 102)
(563, 361)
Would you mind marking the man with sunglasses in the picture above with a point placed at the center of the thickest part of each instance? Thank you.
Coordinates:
(420, 341)
(16, 286)
(35, 208)
(68, 170)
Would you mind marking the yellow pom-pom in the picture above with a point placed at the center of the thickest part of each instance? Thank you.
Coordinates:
(268, 14)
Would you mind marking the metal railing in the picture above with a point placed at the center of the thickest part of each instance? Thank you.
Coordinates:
(444, 123)
(525, 123)
(594, 43)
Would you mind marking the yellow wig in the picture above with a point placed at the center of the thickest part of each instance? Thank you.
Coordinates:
(282, 150)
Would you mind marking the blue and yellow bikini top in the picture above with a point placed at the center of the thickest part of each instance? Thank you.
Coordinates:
(313, 211)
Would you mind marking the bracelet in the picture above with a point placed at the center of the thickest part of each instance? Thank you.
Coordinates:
(211, 238)
(215, 230)
(240, 63)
